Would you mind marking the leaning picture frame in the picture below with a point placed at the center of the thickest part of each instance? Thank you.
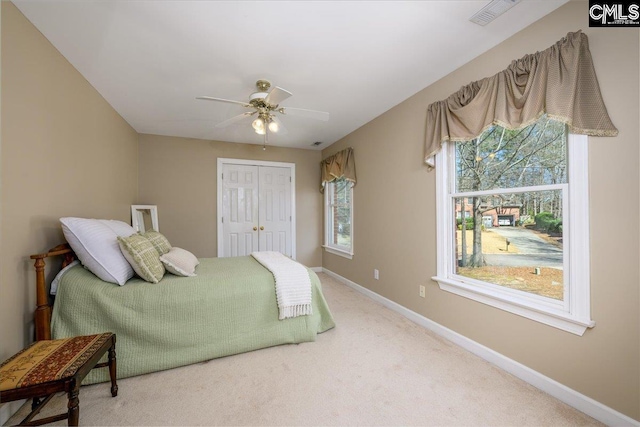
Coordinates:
(144, 218)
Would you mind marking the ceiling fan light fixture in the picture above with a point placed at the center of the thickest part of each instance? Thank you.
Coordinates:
(257, 96)
(265, 103)
(258, 125)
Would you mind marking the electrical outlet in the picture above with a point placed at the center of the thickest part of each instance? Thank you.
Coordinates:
(422, 291)
(376, 274)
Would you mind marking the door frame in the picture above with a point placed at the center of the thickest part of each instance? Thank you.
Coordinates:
(224, 161)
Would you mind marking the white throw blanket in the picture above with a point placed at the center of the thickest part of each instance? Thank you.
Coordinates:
(293, 285)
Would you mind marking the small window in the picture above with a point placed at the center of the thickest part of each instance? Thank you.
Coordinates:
(523, 246)
(339, 218)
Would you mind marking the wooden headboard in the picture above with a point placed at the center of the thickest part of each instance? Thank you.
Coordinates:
(42, 315)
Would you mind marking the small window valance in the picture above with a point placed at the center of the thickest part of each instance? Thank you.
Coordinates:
(340, 165)
(559, 81)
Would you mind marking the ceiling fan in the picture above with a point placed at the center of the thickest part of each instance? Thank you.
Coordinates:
(266, 104)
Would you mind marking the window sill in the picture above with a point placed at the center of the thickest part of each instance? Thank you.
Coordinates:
(340, 252)
(563, 321)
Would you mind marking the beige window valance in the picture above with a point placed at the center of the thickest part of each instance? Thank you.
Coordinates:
(340, 165)
(559, 81)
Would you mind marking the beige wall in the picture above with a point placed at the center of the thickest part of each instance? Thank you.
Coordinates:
(395, 225)
(184, 188)
(54, 124)
(65, 152)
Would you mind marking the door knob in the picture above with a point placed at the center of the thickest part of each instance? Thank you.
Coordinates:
(261, 227)
(255, 228)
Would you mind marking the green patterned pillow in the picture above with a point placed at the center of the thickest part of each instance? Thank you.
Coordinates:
(142, 256)
(158, 241)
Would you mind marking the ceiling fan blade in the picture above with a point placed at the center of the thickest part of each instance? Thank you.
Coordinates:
(210, 98)
(281, 129)
(277, 95)
(235, 119)
(311, 114)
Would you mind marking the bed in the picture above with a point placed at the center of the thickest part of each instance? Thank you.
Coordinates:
(228, 308)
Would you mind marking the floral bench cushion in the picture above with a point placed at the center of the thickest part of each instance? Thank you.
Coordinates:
(50, 360)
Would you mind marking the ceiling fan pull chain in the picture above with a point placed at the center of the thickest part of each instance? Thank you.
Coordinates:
(264, 144)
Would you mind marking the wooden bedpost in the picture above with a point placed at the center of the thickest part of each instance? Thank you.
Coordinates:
(43, 309)
(42, 315)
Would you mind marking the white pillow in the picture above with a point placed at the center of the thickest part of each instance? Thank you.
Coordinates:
(122, 229)
(56, 280)
(180, 262)
(96, 246)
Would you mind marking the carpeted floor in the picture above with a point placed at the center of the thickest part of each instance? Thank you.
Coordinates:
(374, 368)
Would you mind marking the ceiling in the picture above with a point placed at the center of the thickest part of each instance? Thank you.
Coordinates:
(353, 59)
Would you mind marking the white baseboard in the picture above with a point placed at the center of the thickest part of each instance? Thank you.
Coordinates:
(316, 269)
(8, 409)
(561, 392)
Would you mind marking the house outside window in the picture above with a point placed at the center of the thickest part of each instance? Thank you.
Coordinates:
(339, 217)
(523, 246)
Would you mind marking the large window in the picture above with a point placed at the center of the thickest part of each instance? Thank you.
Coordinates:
(339, 217)
(522, 243)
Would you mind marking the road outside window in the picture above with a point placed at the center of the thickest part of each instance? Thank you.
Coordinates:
(513, 222)
(512, 235)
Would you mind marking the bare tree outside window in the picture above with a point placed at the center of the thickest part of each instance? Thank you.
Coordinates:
(340, 194)
(509, 207)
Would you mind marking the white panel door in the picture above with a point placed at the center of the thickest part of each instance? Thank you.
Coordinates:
(240, 188)
(275, 209)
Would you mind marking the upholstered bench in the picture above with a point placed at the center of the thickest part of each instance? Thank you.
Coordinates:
(51, 366)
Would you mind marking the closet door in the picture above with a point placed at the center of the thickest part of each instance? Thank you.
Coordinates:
(240, 188)
(275, 209)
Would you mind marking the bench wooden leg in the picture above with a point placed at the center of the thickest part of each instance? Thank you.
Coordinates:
(34, 404)
(74, 406)
(112, 367)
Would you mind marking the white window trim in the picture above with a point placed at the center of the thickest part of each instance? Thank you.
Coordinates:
(342, 251)
(574, 313)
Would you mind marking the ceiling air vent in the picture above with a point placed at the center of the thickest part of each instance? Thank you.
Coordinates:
(492, 11)
(315, 144)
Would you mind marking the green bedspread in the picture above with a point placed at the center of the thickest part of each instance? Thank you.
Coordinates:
(228, 308)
